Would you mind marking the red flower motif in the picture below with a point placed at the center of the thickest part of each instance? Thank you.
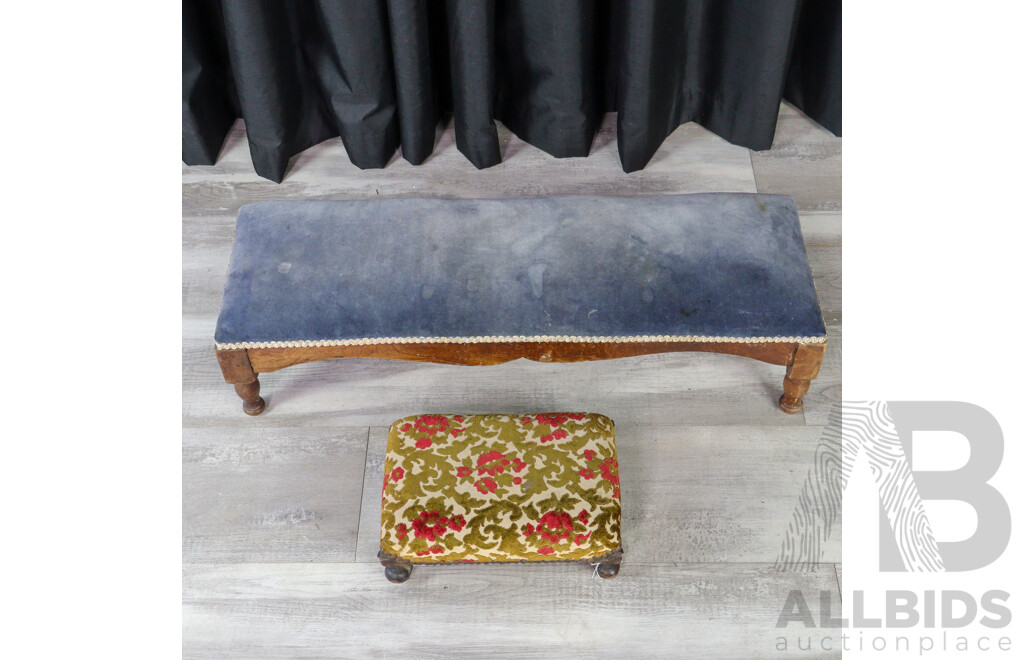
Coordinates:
(610, 470)
(397, 474)
(486, 485)
(430, 525)
(589, 454)
(489, 456)
(545, 551)
(529, 530)
(424, 442)
(490, 463)
(436, 550)
(456, 523)
(555, 526)
(406, 427)
(555, 435)
(401, 530)
(552, 420)
(457, 432)
(587, 473)
(577, 416)
(584, 517)
(464, 472)
(517, 480)
(580, 538)
(526, 420)
(459, 418)
(431, 424)
(518, 464)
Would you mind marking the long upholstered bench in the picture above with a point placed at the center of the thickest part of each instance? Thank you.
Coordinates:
(484, 281)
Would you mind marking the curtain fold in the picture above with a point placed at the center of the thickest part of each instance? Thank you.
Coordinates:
(817, 63)
(383, 74)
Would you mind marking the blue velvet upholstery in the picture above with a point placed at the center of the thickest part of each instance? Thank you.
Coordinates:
(723, 265)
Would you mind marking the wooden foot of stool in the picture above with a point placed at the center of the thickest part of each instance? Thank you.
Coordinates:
(239, 372)
(396, 569)
(792, 399)
(252, 402)
(803, 367)
(609, 566)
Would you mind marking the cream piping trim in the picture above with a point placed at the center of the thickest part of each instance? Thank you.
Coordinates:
(511, 339)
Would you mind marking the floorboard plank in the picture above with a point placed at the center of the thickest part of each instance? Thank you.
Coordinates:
(805, 161)
(693, 159)
(661, 610)
(822, 228)
(370, 507)
(827, 270)
(253, 493)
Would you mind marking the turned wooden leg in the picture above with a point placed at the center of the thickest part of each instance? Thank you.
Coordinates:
(252, 402)
(803, 368)
(238, 371)
(793, 391)
(609, 566)
(396, 569)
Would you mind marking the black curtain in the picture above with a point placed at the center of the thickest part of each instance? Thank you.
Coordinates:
(384, 73)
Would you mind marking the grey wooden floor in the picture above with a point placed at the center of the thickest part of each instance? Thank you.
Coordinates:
(281, 511)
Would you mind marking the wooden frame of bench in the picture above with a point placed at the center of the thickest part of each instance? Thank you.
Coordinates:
(242, 367)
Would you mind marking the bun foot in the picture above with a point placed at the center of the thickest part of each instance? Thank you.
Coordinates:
(397, 574)
(790, 408)
(254, 406)
(609, 564)
(396, 569)
(792, 400)
(252, 402)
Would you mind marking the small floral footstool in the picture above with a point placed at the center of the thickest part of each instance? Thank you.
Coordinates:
(500, 488)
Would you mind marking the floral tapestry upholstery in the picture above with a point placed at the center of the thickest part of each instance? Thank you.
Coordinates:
(501, 488)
